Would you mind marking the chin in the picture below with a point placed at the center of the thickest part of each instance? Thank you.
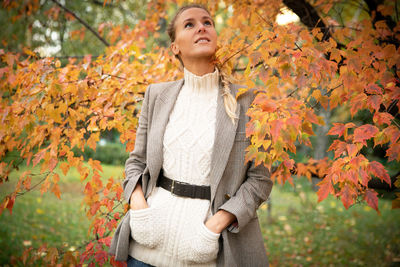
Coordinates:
(204, 53)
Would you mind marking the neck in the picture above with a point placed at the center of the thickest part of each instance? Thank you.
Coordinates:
(200, 68)
(207, 83)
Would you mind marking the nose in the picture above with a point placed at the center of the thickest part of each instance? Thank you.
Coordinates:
(201, 28)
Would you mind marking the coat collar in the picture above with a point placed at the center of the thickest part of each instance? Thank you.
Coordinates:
(225, 132)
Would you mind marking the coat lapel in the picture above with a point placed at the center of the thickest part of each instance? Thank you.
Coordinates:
(162, 108)
(225, 132)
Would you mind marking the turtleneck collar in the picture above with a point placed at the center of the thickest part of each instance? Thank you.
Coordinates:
(207, 82)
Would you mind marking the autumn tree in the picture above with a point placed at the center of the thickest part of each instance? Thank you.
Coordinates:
(328, 61)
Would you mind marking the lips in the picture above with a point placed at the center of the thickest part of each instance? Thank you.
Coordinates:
(202, 39)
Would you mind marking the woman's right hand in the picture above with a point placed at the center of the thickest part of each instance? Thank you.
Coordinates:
(137, 200)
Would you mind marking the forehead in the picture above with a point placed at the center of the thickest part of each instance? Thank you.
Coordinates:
(192, 13)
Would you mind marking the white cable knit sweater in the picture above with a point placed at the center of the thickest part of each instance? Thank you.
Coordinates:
(171, 232)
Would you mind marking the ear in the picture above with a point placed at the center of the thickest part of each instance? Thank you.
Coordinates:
(174, 48)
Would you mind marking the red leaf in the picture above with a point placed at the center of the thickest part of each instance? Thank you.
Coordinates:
(365, 132)
(9, 203)
(392, 132)
(267, 104)
(89, 246)
(379, 171)
(52, 163)
(357, 103)
(340, 128)
(311, 117)
(339, 147)
(250, 128)
(38, 157)
(393, 153)
(364, 177)
(276, 127)
(373, 89)
(374, 101)
(371, 196)
(352, 150)
(381, 118)
(100, 257)
(325, 187)
(337, 129)
(347, 196)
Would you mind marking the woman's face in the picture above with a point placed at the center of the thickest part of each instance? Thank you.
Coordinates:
(195, 35)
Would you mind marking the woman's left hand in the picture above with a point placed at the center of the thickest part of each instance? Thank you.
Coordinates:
(219, 221)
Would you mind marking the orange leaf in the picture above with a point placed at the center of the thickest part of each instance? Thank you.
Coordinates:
(393, 133)
(377, 169)
(365, 132)
(352, 150)
(338, 146)
(393, 152)
(325, 187)
(364, 177)
(276, 127)
(56, 190)
(357, 103)
(373, 89)
(96, 165)
(347, 195)
(381, 118)
(251, 153)
(64, 166)
(374, 102)
(371, 196)
(52, 163)
(311, 117)
(267, 104)
(38, 157)
(250, 128)
(340, 128)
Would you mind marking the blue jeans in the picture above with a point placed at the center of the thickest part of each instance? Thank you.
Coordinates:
(132, 262)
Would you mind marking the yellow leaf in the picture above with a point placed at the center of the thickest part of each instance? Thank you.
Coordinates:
(64, 166)
(241, 91)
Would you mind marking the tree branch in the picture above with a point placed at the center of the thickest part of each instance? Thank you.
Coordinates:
(82, 22)
(99, 3)
(308, 15)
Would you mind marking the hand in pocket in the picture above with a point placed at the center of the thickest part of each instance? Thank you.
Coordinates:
(144, 228)
(202, 247)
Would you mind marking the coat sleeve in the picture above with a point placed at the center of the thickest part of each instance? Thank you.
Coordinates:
(136, 163)
(255, 189)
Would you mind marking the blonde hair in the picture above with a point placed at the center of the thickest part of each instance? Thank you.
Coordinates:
(230, 102)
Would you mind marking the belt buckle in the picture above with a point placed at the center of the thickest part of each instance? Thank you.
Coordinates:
(172, 187)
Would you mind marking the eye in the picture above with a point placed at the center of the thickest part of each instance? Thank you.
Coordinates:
(189, 24)
(208, 23)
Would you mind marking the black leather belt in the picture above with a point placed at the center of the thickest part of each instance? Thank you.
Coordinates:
(184, 189)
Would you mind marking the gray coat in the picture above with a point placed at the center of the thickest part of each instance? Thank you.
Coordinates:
(236, 186)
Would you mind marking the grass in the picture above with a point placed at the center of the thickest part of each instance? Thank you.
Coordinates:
(302, 232)
(297, 230)
(38, 219)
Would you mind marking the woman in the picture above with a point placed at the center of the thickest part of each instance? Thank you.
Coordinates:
(193, 198)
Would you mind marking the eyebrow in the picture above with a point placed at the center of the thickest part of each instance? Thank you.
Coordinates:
(204, 17)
